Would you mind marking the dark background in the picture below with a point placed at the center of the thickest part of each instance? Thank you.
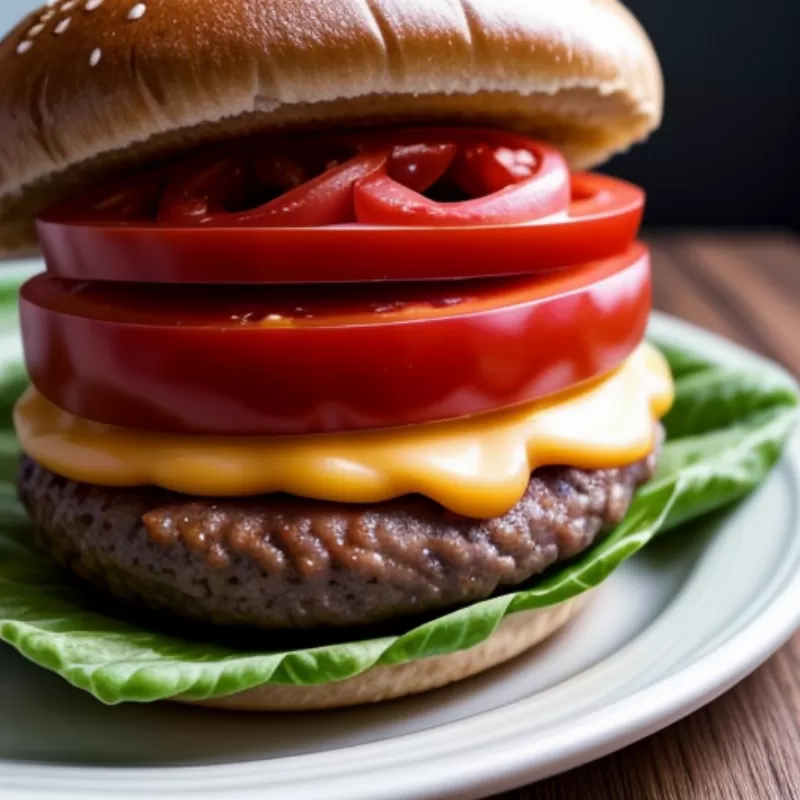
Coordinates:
(729, 149)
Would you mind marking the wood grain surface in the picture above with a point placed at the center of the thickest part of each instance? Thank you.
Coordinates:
(746, 744)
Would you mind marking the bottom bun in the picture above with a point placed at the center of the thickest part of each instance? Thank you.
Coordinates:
(516, 633)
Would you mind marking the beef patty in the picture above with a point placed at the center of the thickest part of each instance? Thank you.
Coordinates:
(282, 562)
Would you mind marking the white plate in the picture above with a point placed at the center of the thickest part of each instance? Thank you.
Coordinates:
(672, 629)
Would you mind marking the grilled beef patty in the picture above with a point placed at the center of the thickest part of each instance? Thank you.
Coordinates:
(282, 562)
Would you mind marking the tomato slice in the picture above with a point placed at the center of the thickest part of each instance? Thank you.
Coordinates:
(400, 206)
(271, 361)
(601, 223)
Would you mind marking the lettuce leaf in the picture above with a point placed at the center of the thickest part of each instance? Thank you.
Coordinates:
(726, 431)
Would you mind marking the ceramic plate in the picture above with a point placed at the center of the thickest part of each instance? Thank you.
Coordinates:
(672, 629)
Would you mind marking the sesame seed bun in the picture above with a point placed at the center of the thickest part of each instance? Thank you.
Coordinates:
(92, 86)
(516, 634)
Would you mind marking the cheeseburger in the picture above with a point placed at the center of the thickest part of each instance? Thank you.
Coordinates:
(334, 332)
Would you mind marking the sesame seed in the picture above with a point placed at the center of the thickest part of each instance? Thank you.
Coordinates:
(63, 25)
(51, 3)
(91, 5)
(47, 16)
(94, 58)
(35, 31)
(137, 12)
(24, 46)
(69, 5)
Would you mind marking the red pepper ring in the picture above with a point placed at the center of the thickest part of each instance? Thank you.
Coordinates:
(197, 194)
(420, 166)
(541, 190)
(603, 222)
(505, 179)
(380, 184)
(197, 198)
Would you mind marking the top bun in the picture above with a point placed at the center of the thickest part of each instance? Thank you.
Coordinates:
(93, 86)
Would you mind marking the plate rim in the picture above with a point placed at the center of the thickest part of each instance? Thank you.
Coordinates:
(605, 730)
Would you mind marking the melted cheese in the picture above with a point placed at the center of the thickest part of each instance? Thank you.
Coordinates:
(478, 466)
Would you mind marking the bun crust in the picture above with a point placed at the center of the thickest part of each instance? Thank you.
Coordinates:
(93, 86)
(517, 633)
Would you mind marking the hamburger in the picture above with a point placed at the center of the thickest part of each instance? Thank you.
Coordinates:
(335, 333)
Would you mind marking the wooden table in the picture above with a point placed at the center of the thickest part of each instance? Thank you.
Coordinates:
(746, 744)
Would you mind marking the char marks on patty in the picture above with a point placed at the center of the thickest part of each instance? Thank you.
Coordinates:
(278, 562)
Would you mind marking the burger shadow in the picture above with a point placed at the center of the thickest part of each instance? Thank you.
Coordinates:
(244, 640)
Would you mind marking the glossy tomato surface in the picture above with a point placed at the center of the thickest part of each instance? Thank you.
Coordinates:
(270, 361)
(401, 206)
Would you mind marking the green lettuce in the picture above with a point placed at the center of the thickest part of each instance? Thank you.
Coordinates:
(725, 432)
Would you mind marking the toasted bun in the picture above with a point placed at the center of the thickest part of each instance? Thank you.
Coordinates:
(516, 633)
(92, 86)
